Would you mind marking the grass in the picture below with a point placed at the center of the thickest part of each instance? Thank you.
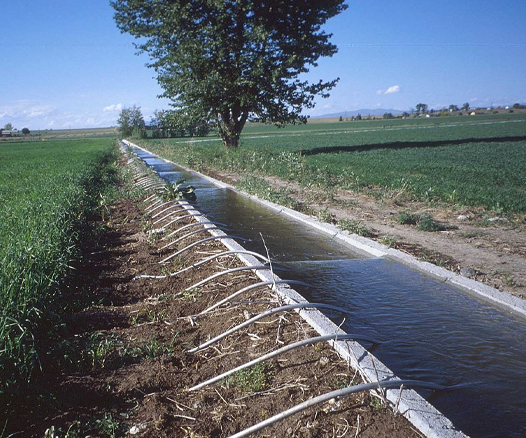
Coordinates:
(384, 158)
(51, 193)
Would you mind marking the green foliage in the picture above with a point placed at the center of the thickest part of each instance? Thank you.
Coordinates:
(106, 426)
(324, 215)
(177, 190)
(354, 227)
(178, 123)
(388, 241)
(49, 192)
(131, 122)
(258, 186)
(405, 218)
(254, 379)
(213, 58)
(423, 222)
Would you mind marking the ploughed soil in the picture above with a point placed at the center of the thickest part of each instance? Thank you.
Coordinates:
(119, 366)
(486, 246)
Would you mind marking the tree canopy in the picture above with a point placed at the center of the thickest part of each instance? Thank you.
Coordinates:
(231, 60)
(131, 121)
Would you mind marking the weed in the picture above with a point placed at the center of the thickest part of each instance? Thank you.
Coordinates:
(405, 218)
(435, 258)
(388, 241)
(341, 382)
(253, 379)
(192, 294)
(427, 223)
(147, 315)
(109, 426)
(423, 222)
(153, 348)
(324, 215)
(377, 403)
(354, 227)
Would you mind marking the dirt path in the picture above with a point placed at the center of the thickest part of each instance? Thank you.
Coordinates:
(120, 366)
(488, 248)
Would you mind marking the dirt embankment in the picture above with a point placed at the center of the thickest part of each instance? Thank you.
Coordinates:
(483, 246)
(120, 366)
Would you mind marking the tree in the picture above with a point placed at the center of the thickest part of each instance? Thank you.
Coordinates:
(131, 121)
(233, 60)
(8, 127)
(421, 108)
(453, 108)
(25, 131)
(465, 107)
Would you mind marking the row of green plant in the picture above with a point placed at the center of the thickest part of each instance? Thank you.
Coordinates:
(51, 193)
(98, 350)
(477, 173)
(319, 134)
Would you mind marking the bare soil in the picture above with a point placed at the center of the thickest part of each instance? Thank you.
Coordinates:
(481, 245)
(120, 366)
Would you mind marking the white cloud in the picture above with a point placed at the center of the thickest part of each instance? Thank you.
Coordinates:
(393, 89)
(390, 90)
(39, 111)
(114, 107)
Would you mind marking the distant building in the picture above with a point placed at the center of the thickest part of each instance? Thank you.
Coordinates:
(9, 132)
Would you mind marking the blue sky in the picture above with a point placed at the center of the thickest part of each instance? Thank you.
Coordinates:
(65, 64)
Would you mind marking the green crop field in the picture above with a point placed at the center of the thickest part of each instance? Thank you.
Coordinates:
(47, 189)
(472, 161)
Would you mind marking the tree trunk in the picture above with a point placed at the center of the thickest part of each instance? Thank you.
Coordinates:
(230, 127)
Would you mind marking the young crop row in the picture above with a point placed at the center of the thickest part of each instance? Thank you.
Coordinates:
(451, 164)
(48, 192)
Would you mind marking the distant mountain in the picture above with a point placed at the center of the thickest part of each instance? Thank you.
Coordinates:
(362, 112)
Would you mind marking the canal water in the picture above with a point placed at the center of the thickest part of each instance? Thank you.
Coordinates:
(427, 329)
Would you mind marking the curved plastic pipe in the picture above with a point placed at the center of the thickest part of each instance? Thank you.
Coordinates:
(168, 215)
(186, 248)
(279, 351)
(195, 265)
(263, 315)
(173, 242)
(249, 288)
(184, 227)
(173, 213)
(149, 197)
(162, 205)
(154, 204)
(336, 394)
(164, 210)
(228, 271)
(178, 218)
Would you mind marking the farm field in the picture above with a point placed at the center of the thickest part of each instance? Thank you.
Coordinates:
(451, 191)
(459, 161)
(62, 134)
(48, 190)
(119, 363)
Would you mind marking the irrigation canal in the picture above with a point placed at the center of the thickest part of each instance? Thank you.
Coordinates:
(427, 329)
